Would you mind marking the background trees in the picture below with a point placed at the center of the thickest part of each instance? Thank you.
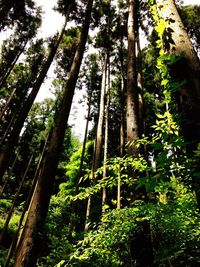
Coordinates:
(139, 161)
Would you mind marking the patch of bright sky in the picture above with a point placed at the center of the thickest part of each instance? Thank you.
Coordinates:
(51, 22)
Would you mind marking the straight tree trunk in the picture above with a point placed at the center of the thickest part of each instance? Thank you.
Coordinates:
(71, 221)
(6, 153)
(106, 137)
(28, 246)
(7, 104)
(99, 134)
(187, 68)
(139, 85)
(122, 98)
(85, 137)
(132, 92)
(132, 116)
(96, 161)
(119, 189)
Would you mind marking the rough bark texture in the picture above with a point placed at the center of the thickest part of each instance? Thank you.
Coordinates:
(6, 153)
(187, 68)
(28, 245)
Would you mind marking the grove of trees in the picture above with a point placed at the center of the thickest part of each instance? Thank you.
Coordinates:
(129, 193)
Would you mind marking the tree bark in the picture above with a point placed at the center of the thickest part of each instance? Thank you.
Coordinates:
(12, 249)
(132, 92)
(132, 117)
(187, 68)
(28, 246)
(5, 153)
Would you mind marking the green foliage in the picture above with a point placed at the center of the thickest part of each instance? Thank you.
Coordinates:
(56, 233)
(173, 227)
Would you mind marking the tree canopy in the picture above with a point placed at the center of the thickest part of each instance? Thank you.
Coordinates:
(126, 191)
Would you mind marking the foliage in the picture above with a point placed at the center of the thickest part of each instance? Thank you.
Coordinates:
(174, 227)
(157, 198)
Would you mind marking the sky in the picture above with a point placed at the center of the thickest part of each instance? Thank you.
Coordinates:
(52, 21)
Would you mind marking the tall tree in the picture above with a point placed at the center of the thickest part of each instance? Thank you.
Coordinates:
(18, 124)
(186, 68)
(132, 92)
(106, 135)
(27, 248)
(97, 154)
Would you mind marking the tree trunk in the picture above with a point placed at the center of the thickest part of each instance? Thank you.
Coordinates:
(28, 246)
(5, 154)
(132, 116)
(139, 84)
(7, 104)
(12, 249)
(132, 93)
(96, 161)
(187, 68)
(71, 221)
(106, 135)
(99, 134)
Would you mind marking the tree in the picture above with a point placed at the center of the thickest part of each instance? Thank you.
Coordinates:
(22, 114)
(132, 93)
(27, 248)
(186, 68)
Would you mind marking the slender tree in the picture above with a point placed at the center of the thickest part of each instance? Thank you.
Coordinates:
(18, 124)
(27, 248)
(106, 135)
(97, 154)
(71, 221)
(12, 248)
(132, 92)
